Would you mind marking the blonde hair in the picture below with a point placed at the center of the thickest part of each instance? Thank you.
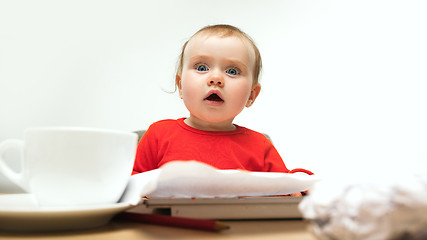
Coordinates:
(224, 30)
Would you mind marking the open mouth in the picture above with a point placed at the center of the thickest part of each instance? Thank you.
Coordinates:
(214, 97)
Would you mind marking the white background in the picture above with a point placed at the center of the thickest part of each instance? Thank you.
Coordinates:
(343, 87)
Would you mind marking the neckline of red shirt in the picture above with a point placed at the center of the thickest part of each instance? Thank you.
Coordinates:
(238, 129)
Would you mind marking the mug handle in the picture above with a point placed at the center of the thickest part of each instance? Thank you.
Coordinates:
(16, 177)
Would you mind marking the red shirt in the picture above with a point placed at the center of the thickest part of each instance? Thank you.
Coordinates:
(170, 140)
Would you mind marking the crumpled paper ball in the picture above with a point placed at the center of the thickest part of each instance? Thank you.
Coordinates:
(393, 207)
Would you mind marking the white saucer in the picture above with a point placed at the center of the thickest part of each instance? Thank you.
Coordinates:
(19, 212)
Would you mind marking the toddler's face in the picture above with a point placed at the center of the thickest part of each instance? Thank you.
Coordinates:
(217, 76)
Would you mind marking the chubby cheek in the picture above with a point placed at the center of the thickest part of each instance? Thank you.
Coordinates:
(190, 92)
(239, 98)
(244, 99)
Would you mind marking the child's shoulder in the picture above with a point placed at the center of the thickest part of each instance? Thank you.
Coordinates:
(254, 134)
(164, 123)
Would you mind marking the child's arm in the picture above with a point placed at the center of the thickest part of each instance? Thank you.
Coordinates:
(145, 158)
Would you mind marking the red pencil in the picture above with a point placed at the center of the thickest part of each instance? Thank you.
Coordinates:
(192, 223)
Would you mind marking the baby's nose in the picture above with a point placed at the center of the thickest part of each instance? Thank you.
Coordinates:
(216, 79)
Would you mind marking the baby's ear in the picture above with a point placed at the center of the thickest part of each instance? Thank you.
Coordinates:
(178, 85)
(254, 94)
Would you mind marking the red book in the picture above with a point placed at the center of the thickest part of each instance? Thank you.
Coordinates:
(181, 222)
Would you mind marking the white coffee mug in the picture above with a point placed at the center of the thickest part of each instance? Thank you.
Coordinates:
(72, 166)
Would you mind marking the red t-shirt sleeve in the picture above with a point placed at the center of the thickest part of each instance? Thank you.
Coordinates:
(146, 153)
(272, 160)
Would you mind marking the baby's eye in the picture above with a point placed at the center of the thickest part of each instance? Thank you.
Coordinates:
(201, 68)
(232, 71)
